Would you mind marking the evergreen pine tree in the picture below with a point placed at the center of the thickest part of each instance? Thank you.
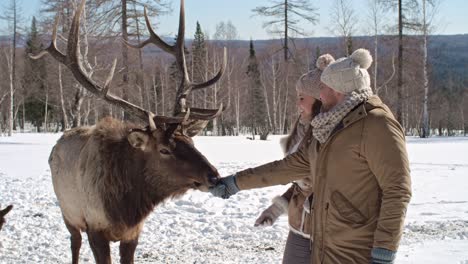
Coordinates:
(199, 65)
(257, 115)
(34, 79)
(199, 55)
(349, 45)
(317, 55)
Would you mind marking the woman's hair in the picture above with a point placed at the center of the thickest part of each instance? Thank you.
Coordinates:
(316, 106)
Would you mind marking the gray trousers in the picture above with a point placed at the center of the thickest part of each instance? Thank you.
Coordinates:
(297, 250)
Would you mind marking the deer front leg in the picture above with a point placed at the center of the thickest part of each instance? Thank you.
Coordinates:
(127, 251)
(75, 240)
(100, 247)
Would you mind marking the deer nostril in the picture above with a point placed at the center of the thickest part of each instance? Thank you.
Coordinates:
(213, 179)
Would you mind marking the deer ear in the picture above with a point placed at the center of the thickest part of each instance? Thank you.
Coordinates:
(138, 139)
(6, 210)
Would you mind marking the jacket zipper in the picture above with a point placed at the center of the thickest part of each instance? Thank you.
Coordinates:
(322, 150)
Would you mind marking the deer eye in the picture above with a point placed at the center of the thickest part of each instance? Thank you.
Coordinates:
(165, 152)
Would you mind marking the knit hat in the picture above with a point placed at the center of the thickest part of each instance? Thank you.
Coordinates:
(348, 74)
(309, 83)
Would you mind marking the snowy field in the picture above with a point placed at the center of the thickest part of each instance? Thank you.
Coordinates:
(199, 228)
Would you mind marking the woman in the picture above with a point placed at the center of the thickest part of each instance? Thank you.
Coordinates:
(295, 201)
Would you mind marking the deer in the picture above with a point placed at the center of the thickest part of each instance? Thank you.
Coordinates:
(3, 213)
(109, 177)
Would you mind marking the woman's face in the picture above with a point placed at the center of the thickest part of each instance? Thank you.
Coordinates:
(304, 103)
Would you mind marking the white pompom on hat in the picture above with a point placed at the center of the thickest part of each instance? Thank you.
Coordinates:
(362, 57)
(309, 83)
(350, 73)
(323, 61)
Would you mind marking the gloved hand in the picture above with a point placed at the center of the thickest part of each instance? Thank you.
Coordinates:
(225, 188)
(271, 214)
(382, 256)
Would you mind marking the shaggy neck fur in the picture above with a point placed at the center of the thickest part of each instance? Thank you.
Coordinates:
(129, 192)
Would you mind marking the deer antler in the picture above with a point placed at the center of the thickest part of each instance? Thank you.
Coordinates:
(186, 85)
(72, 61)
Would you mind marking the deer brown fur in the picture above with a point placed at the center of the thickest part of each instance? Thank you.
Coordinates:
(106, 185)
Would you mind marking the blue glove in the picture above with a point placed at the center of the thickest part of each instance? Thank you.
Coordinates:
(225, 187)
(382, 256)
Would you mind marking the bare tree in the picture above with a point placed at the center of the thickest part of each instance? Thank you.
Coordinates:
(285, 17)
(426, 22)
(225, 35)
(13, 18)
(269, 80)
(62, 101)
(343, 22)
(225, 31)
(140, 79)
(404, 9)
(124, 18)
(375, 15)
(12, 92)
(425, 127)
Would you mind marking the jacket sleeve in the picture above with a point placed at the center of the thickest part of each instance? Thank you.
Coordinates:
(288, 193)
(292, 167)
(385, 151)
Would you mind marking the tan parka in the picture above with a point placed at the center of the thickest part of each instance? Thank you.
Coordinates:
(361, 184)
(300, 190)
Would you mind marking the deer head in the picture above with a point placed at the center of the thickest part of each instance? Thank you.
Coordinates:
(166, 139)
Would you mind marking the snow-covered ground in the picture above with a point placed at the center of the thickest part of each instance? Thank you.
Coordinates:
(199, 228)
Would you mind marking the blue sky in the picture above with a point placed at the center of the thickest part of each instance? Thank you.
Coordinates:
(452, 16)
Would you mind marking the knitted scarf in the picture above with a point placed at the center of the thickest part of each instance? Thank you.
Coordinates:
(325, 122)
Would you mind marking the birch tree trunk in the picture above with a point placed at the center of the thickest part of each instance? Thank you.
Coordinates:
(425, 126)
(23, 115)
(12, 91)
(95, 112)
(376, 50)
(155, 93)
(267, 102)
(238, 111)
(13, 68)
(286, 48)
(62, 101)
(125, 71)
(16, 111)
(286, 99)
(45, 107)
(140, 75)
(275, 100)
(77, 103)
(285, 109)
(205, 94)
(399, 110)
(87, 112)
(215, 100)
(375, 20)
(163, 90)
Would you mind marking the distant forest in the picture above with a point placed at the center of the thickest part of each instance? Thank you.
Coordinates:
(47, 98)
